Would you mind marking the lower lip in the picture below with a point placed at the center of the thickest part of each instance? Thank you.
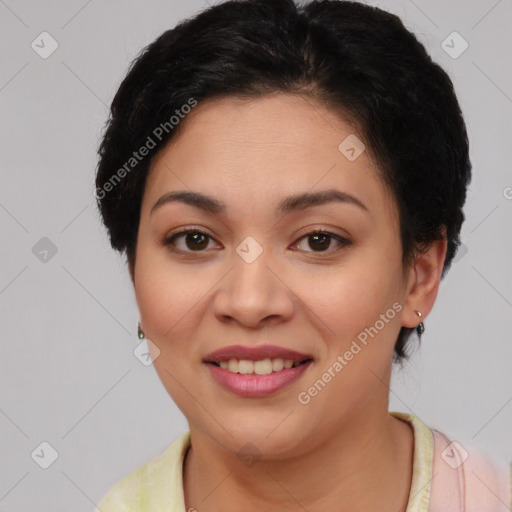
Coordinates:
(255, 386)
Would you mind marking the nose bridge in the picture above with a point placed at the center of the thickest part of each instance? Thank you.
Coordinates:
(251, 274)
(252, 290)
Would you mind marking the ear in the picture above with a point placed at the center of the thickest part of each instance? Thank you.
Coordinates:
(423, 282)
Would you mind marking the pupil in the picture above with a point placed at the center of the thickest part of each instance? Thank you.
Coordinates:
(321, 246)
(195, 237)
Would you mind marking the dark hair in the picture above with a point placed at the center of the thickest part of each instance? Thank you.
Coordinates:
(358, 60)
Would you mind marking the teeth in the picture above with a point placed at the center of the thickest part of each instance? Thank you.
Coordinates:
(262, 367)
(245, 367)
(277, 365)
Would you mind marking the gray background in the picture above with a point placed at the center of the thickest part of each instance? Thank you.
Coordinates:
(68, 320)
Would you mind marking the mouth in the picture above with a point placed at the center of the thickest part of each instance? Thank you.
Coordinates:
(259, 367)
(256, 371)
(262, 360)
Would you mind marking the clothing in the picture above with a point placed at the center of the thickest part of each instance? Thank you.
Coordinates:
(447, 477)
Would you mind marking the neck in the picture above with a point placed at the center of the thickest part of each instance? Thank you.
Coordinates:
(365, 465)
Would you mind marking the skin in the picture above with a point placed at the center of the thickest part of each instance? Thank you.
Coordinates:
(342, 450)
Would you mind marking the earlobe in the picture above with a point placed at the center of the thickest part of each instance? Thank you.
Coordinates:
(420, 329)
(424, 283)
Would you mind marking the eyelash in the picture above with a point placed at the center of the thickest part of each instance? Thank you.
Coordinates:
(344, 242)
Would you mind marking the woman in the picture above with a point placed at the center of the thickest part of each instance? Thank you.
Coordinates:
(287, 184)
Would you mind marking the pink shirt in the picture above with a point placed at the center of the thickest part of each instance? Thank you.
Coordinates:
(450, 477)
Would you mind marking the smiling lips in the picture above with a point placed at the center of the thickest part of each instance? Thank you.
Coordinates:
(256, 371)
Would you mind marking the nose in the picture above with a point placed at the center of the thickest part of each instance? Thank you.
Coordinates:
(254, 293)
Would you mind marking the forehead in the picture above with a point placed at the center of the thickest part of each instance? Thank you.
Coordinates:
(258, 150)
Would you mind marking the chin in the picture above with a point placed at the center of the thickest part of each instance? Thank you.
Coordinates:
(261, 438)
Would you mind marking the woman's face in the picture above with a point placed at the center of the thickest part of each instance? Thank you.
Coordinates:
(255, 275)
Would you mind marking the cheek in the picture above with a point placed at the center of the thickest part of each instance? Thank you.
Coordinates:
(169, 300)
(166, 292)
(352, 297)
(360, 311)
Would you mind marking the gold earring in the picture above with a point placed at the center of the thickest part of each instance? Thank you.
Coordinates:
(420, 329)
(140, 332)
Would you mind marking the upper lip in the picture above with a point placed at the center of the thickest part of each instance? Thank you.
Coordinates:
(255, 354)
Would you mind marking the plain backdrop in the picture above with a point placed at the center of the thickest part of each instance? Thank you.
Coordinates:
(68, 374)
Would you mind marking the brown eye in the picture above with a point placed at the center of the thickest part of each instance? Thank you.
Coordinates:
(320, 241)
(195, 241)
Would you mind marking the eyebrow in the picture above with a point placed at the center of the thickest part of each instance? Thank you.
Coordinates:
(294, 203)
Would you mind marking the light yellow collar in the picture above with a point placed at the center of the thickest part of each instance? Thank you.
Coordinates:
(423, 459)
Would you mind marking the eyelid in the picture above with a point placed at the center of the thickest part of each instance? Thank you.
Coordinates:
(319, 228)
(342, 240)
(168, 239)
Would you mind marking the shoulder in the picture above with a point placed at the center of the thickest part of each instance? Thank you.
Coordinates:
(450, 476)
(465, 474)
(152, 486)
